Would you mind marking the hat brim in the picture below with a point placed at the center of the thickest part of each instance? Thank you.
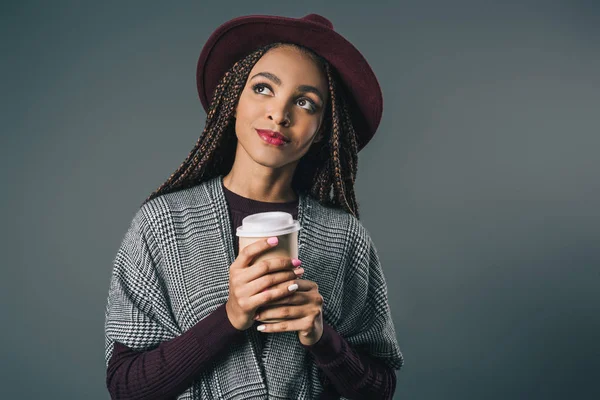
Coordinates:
(238, 37)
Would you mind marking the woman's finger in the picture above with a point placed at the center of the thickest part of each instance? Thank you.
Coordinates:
(304, 285)
(294, 299)
(250, 252)
(282, 312)
(292, 325)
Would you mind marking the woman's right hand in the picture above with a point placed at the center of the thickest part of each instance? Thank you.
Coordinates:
(248, 282)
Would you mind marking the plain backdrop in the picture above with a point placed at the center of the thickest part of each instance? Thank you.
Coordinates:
(480, 188)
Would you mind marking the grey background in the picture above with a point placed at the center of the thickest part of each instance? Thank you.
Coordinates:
(480, 189)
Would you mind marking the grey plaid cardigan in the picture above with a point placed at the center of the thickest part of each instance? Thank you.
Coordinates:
(171, 271)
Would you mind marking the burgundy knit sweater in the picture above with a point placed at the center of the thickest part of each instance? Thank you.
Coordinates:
(167, 370)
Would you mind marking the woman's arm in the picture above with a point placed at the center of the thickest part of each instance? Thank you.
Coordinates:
(166, 371)
(354, 374)
(147, 356)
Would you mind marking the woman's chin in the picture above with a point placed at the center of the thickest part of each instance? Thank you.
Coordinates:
(270, 161)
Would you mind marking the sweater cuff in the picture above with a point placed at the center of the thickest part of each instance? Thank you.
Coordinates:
(215, 331)
(329, 348)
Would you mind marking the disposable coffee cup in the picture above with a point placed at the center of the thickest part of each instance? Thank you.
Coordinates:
(264, 225)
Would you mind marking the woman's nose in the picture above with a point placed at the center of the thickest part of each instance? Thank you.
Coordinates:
(280, 115)
(281, 119)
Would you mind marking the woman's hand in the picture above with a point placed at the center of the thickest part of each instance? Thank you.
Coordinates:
(247, 282)
(303, 311)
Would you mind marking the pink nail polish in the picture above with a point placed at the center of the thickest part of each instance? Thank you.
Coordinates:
(296, 262)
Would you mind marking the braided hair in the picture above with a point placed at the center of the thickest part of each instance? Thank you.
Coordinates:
(327, 172)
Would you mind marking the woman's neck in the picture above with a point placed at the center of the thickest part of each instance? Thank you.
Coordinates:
(269, 188)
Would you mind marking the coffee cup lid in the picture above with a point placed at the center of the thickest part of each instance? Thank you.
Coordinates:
(272, 223)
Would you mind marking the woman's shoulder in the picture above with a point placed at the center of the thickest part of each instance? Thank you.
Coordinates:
(336, 220)
(197, 196)
(158, 213)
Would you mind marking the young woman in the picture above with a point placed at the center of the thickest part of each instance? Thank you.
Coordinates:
(292, 103)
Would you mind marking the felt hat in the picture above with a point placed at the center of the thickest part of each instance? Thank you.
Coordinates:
(240, 36)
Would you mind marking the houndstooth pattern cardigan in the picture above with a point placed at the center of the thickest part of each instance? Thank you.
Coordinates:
(171, 271)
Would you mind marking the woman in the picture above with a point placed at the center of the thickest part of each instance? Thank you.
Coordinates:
(292, 104)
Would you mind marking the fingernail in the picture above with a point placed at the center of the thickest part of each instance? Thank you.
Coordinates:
(293, 287)
(296, 262)
(299, 271)
(273, 240)
(260, 328)
(256, 317)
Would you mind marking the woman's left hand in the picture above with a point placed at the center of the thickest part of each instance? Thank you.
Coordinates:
(302, 310)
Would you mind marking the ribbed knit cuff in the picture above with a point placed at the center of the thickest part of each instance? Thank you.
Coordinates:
(329, 348)
(215, 331)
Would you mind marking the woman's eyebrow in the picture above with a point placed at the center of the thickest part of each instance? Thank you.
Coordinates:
(301, 88)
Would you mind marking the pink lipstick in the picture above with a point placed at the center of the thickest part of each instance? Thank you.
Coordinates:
(271, 137)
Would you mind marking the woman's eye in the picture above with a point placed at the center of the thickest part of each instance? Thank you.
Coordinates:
(260, 89)
(302, 102)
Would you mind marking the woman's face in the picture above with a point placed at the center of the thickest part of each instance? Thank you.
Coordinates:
(286, 92)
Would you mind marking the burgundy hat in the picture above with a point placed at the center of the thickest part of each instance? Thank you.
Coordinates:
(240, 36)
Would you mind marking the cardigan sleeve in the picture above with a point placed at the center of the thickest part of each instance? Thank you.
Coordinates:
(146, 354)
(363, 348)
(368, 326)
(166, 371)
(137, 312)
(353, 374)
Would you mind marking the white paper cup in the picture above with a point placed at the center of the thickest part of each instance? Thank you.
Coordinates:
(264, 225)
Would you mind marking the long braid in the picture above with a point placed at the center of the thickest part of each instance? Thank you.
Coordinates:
(327, 172)
(341, 160)
(352, 152)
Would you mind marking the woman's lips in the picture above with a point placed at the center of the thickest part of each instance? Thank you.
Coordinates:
(267, 137)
